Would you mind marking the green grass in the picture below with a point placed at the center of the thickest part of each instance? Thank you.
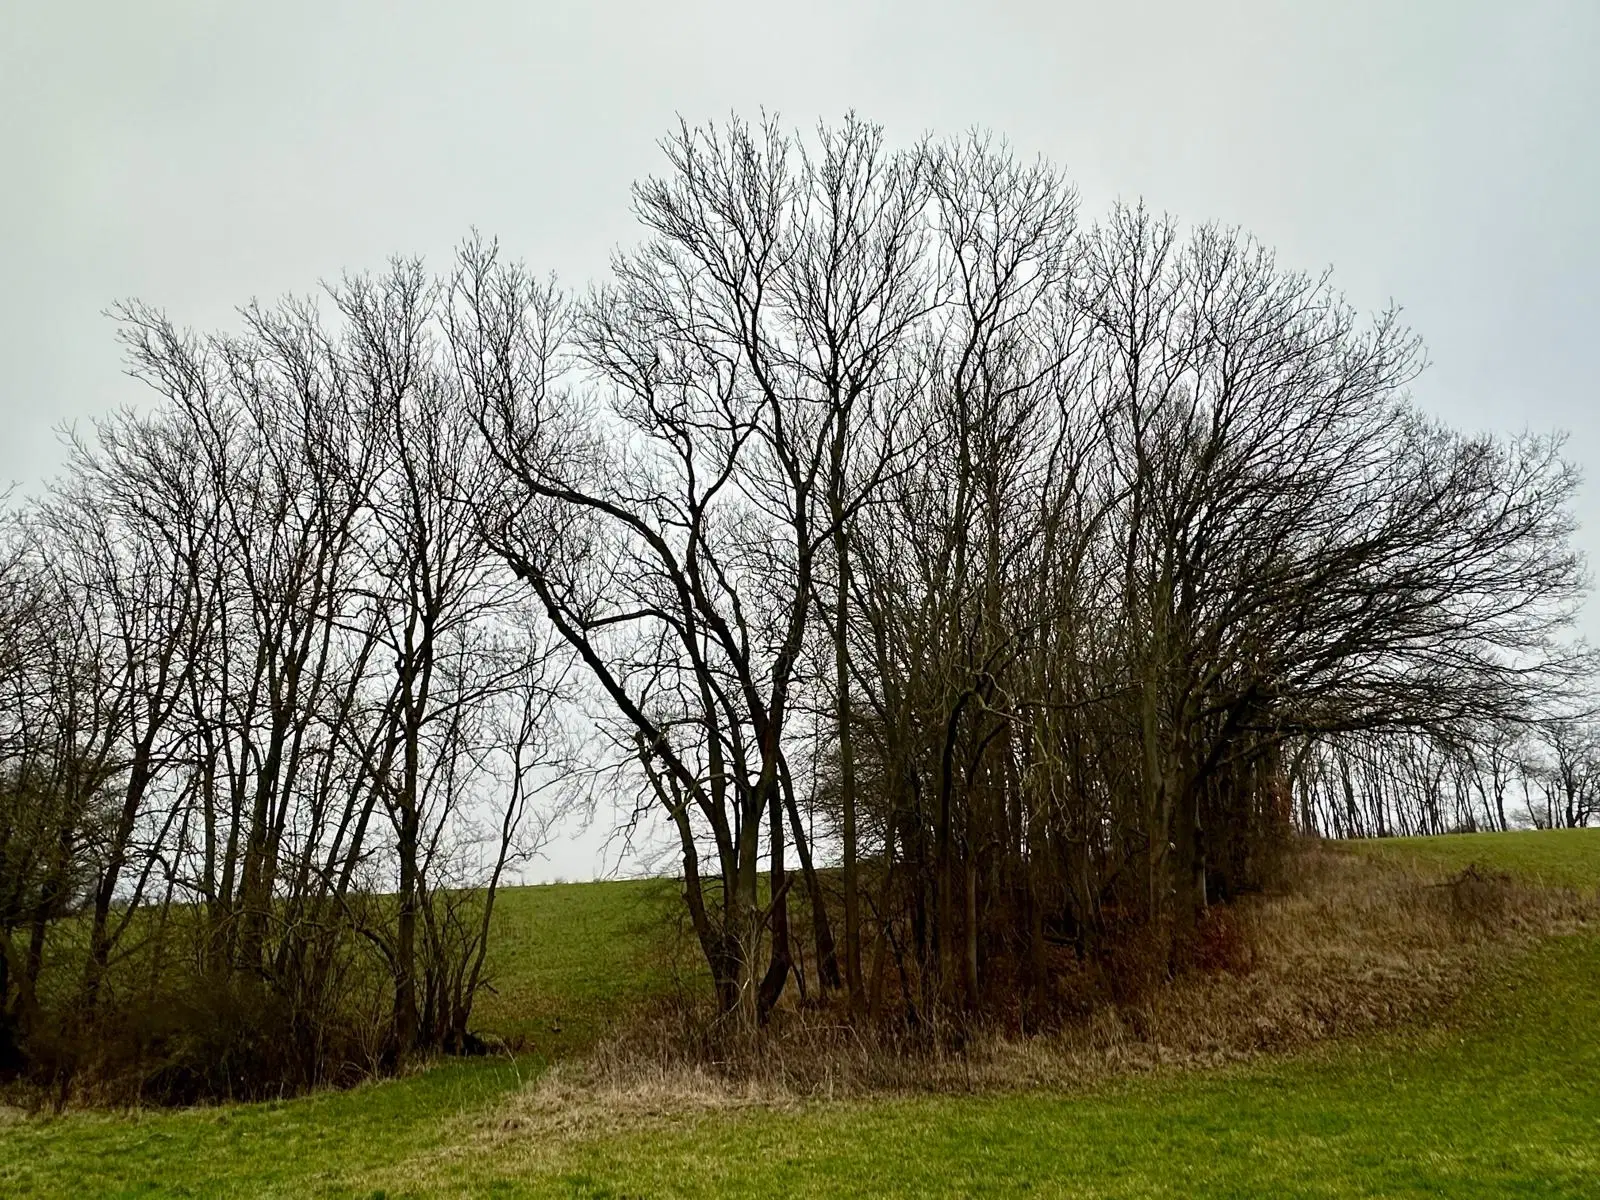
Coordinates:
(1504, 1100)
(319, 1145)
(564, 959)
(1554, 857)
(1500, 1099)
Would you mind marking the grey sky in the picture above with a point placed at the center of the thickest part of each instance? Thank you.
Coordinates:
(197, 154)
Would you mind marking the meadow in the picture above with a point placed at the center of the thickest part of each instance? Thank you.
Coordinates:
(1498, 1095)
(1552, 857)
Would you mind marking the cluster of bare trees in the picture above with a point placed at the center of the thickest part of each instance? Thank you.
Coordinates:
(1019, 550)
(911, 541)
(1539, 773)
(272, 713)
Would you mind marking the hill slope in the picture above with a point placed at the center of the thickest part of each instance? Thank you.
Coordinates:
(1500, 1098)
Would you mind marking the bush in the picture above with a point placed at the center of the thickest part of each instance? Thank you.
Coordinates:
(199, 1039)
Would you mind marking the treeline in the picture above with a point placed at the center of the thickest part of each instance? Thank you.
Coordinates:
(1536, 774)
(1037, 573)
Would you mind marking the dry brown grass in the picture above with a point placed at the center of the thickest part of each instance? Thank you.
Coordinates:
(1355, 945)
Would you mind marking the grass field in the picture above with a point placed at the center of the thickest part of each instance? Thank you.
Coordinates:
(565, 958)
(1501, 1098)
(1554, 857)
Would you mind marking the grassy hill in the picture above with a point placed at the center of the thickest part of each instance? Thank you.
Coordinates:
(1501, 1097)
(565, 958)
(1554, 857)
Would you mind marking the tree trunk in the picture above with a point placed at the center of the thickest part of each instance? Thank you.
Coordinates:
(847, 776)
(782, 960)
(821, 927)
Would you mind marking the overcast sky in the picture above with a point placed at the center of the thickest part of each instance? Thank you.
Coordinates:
(1441, 154)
